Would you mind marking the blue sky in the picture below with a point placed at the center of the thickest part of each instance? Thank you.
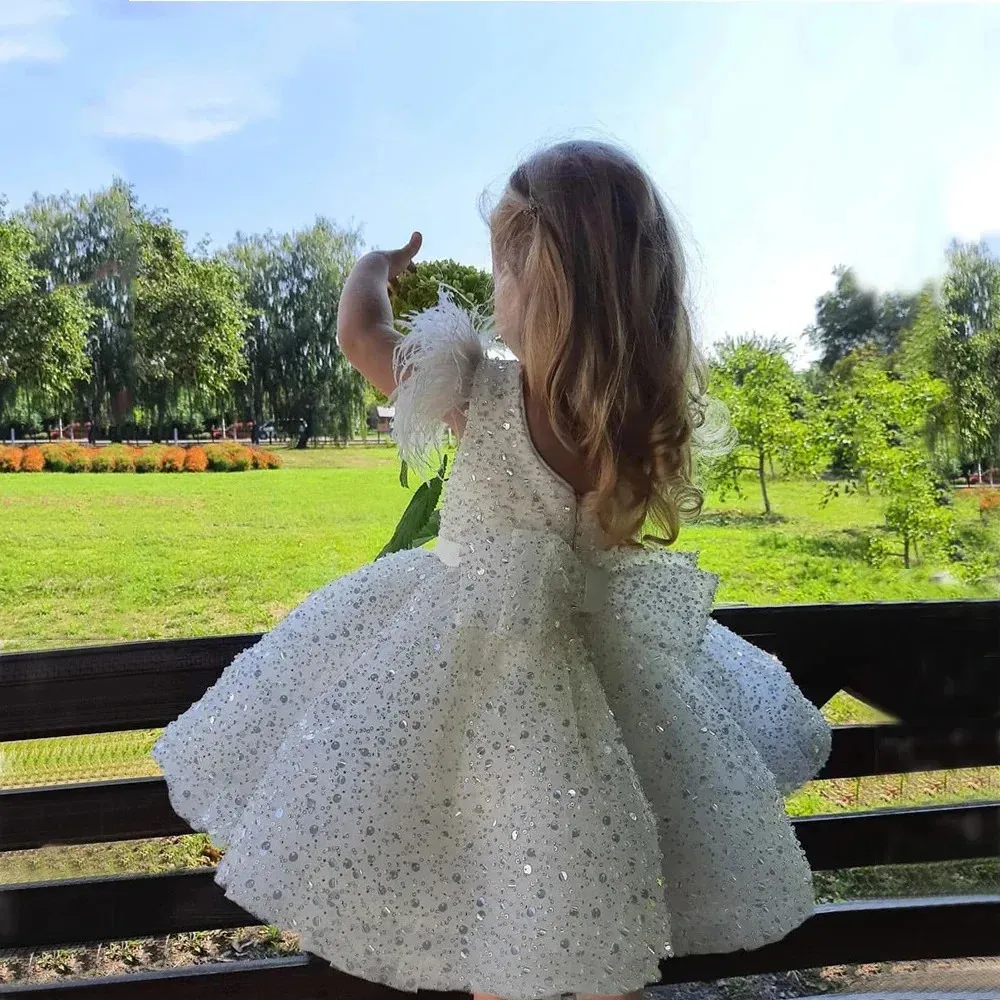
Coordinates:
(789, 138)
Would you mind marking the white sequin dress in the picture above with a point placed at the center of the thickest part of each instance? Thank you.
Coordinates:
(514, 765)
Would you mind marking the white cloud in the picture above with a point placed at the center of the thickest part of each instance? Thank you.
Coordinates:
(29, 30)
(183, 109)
(973, 199)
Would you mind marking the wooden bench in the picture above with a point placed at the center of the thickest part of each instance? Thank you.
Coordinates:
(933, 667)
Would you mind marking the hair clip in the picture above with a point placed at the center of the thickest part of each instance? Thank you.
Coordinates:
(533, 207)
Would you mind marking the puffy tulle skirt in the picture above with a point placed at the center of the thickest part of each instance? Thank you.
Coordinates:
(515, 774)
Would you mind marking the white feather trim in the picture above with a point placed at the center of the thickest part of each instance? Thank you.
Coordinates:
(435, 364)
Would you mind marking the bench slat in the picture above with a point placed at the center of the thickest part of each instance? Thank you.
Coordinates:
(919, 661)
(131, 809)
(301, 977)
(841, 933)
(859, 751)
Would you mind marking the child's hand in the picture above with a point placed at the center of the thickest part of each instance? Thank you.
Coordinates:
(401, 260)
(365, 330)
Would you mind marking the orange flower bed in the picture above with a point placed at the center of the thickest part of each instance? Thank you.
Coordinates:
(67, 456)
(264, 459)
(173, 459)
(989, 500)
(195, 459)
(32, 460)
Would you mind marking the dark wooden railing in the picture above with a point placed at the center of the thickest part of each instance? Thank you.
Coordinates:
(934, 668)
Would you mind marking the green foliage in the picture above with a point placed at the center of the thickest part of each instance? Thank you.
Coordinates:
(92, 243)
(852, 316)
(417, 290)
(421, 520)
(967, 348)
(189, 320)
(293, 284)
(770, 410)
(877, 424)
(42, 329)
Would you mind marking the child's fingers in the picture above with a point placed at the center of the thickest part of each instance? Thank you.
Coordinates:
(413, 247)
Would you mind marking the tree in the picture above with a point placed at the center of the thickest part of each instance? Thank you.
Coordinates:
(42, 328)
(190, 319)
(293, 284)
(93, 241)
(418, 290)
(768, 406)
(852, 316)
(967, 354)
(877, 422)
(955, 337)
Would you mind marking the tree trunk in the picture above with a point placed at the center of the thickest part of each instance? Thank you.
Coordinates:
(761, 472)
(303, 442)
(906, 552)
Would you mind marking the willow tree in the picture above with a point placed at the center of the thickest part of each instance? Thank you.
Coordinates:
(92, 241)
(292, 284)
(42, 328)
(189, 323)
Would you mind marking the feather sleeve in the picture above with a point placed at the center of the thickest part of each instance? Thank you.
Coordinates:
(435, 364)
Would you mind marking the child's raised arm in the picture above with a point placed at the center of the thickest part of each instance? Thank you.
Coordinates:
(365, 330)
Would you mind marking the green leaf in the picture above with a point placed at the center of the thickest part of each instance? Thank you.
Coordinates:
(421, 520)
(404, 479)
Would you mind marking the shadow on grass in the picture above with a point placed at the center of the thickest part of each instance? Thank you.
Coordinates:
(849, 545)
(736, 518)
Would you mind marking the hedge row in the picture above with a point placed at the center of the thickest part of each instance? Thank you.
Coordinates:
(69, 457)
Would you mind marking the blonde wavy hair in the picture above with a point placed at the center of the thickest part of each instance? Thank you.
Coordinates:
(605, 334)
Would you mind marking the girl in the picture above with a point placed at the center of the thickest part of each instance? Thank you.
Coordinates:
(526, 763)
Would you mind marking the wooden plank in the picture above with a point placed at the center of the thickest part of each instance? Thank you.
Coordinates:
(301, 977)
(841, 933)
(860, 932)
(89, 813)
(901, 836)
(919, 661)
(139, 685)
(908, 994)
(77, 911)
(304, 978)
(902, 749)
(135, 808)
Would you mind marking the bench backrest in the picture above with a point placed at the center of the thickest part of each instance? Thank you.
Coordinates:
(935, 667)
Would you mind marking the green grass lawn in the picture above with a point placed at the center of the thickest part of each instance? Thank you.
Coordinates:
(112, 557)
(91, 558)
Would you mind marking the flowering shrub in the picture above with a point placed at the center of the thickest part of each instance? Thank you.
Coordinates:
(195, 459)
(173, 459)
(67, 456)
(32, 460)
(240, 459)
(122, 457)
(217, 456)
(150, 459)
(78, 457)
(989, 501)
(100, 460)
(56, 459)
(264, 459)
